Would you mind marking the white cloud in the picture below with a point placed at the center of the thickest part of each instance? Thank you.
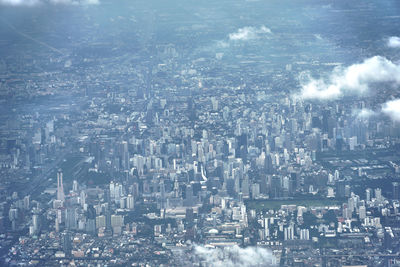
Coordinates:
(318, 37)
(222, 44)
(354, 79)
(76, 2)
(249, 33)
(19, 2)
(235, 256)
(55, 2)
(392, 109)
(393, 42)
(364, 113)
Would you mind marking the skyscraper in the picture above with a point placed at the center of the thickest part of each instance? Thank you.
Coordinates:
(67, 246)
(60, 187)
(395, 192)
(130, 203)
(75, 186)
(71, 218)
(91, 220)
(368, 194)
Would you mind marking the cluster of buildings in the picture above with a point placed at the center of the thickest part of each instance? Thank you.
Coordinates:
(239, 169)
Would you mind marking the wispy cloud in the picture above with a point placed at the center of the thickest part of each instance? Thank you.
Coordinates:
(354, 79)
(54, 2)
(235, 256)
(249, 33)
(392, 109)
(393, 42)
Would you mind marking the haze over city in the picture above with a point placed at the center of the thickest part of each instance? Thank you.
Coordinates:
(199, 133)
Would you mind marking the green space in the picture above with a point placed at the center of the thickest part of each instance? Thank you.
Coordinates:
(268, 204)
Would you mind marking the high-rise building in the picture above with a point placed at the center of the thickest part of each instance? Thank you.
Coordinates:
(67, 246)
(82, 198)
(71, 218)
(304, 234)
(130, 202)
(368, 194)
(36, 223)
(60, 187)
(122, 203)
(117, 220)
(27, 202)
(100, 221)
(337, 175)
(112, 190)
(378, 194)
(395, 191)
(289, 232)
(57, 225)
(75, 186)
(91, 220)
(362, 213)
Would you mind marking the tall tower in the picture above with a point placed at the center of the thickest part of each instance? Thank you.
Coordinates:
(60, 187)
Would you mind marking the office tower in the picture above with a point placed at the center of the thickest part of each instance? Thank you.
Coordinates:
(130, 202)
(292, 183)
(108, 219)
(266, 227)
(67, 246)
(13, 217)
(347, 190)
(60, 187)
(71, 218)
(117, 221)
(337, 175)
(91, 220)
(100, 221)
(75, 186)
(122, 202)
(245, 187)
(27, 202)
(125, 155)
(57, 225)
(268, 164)
(189, 198)
(112, 190)
(255, 190)
(340, 188)
(304, 234)
(276, 187)
(118, 192)
(395, 191)
(362, 213)
(162, 195)
(36, 223)
(82, 198)
(368, 194)
(378, 194)
(289, 232)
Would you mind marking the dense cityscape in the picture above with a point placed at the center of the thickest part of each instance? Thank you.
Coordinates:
(199, 133)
